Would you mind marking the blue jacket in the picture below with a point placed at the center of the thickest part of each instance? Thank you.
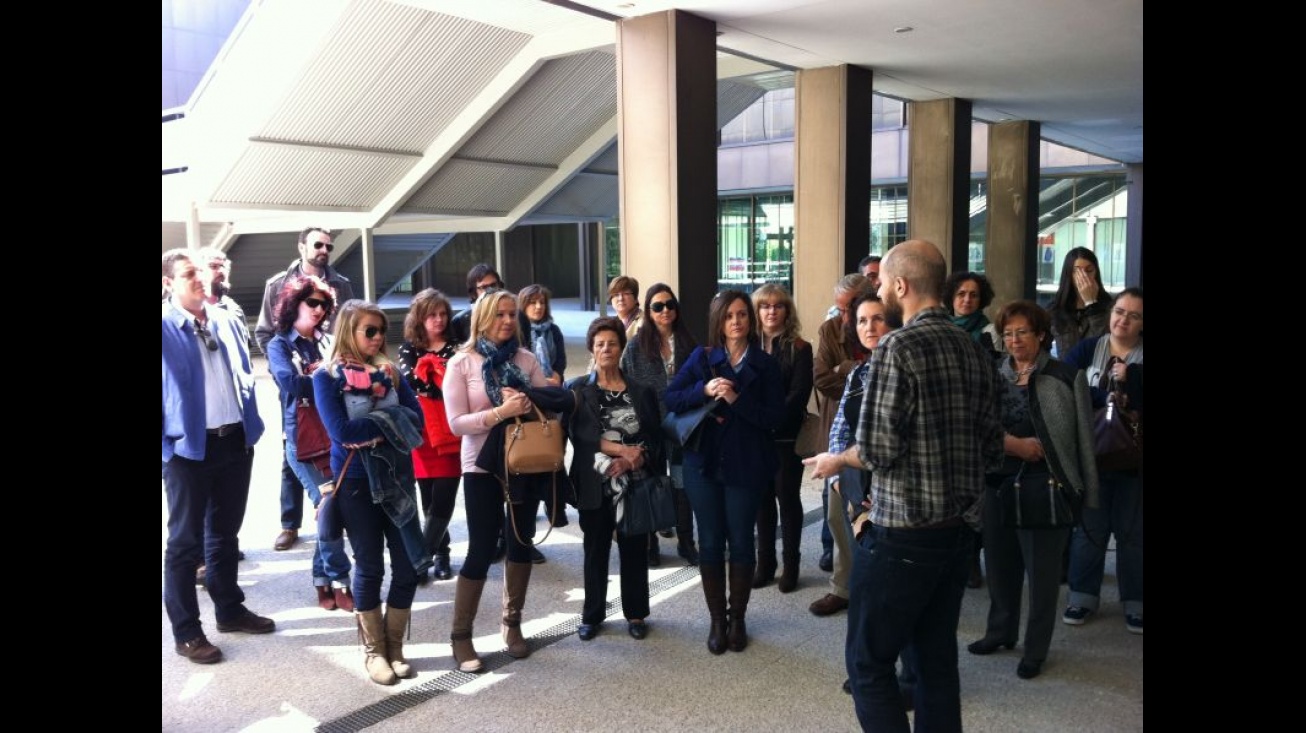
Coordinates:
(742, 444)
(184, 413)
(291, 384)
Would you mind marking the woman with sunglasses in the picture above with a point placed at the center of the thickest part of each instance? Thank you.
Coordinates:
(375, 421)
(778, 330)
(294, 353)
(485, 385)
(651, 359)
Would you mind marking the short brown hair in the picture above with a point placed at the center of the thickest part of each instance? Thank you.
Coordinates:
(532, 293)
(623, 284)
(601, 324)
(1032, 312)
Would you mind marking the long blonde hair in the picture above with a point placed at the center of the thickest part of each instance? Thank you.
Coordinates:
(345, 349)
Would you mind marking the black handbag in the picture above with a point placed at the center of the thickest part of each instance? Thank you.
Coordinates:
(1038, 502)
(686, 428)
(1117, 433)
(647, 506)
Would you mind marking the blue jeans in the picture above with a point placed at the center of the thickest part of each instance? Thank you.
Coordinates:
(906, 589)
(292, 495)
(1121, 514)
(725, 513)
(217, 488)
(330, 560)
(371, 532)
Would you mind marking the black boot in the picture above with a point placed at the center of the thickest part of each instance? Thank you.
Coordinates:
(741, 587)
(714, 590)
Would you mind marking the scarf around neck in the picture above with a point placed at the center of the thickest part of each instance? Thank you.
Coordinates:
(542, 344)
(972, 324)
(498, 370)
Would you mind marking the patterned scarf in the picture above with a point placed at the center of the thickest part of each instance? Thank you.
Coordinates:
(499, 371)
(542, 344)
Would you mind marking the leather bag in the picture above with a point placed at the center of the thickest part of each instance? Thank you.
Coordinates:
(810, 441)
(1118, 433)
(686, 428)
(534, 446)
(1038, 502)
(312, 443)
(649, 506)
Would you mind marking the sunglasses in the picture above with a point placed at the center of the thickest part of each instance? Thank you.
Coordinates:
(315, 303)
(209, 342)
(329, 247)
(372, 331)
(663, 305)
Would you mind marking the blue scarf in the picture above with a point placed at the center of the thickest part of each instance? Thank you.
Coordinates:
(542, 344)
(972, 324)
(498, 370)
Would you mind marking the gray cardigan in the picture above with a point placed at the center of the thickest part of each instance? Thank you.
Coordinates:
(1062, 412)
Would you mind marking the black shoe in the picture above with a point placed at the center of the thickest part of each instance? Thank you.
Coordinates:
(654, 558)
(587, 631)
(848, 687)
(240, 555)
(988, 646)
(249, 623)
(687, 549)
(442, 569)
(1028, 670)
(538, 557)
(668, 533)
(826, 562)
(637, 629)
(423, 579)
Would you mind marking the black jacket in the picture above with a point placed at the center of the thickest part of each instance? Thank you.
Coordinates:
(585, 426)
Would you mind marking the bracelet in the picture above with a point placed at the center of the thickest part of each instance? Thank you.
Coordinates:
(497, 416)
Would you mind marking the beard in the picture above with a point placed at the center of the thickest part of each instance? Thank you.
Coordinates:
(220, 288)
(892, 310)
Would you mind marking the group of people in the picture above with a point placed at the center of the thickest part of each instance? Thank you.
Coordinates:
(930, 411)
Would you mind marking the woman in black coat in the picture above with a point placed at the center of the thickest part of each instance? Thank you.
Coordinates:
(615, 437)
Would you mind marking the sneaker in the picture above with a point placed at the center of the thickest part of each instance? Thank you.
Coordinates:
(1075, 615)
(1134, 623)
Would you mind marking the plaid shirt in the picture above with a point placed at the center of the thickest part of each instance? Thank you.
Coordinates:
(929, 428)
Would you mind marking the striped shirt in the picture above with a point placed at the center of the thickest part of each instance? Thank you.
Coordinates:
(929, 427)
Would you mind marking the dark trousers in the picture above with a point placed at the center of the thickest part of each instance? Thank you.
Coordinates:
(785, 491)
(370, 533)
(483, 501)
(726, 515)
(438, 497)
(906, 589)
(598, 526)
(214, 490)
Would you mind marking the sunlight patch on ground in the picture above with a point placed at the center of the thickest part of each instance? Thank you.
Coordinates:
(195, 684)
(292, 720)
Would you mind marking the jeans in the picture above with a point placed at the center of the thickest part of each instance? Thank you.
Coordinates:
(597, 526)
(292, 495)
(370, 533)
(725, 513)
(330, 560)
(1121, 514)
(215, 488)
(907, 586)
(483, 500)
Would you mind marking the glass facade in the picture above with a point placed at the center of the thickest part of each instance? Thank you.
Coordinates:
(755, 236)
(1082, 211)
(888, 218)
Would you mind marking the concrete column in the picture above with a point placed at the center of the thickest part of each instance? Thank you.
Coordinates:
(1011, 240)
(832, 183)
(667, 138)
(369, 265)
(938, 175)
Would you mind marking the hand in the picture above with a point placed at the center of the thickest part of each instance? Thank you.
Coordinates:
(824, 465)
(619, 466)
(1029, 449)
(1086, 286)
(633, 454)
(720, 388)
(515, 403)
(1119, 370)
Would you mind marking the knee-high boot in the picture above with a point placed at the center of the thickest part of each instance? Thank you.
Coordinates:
(466, 598)
(396, 625)
(685, 546)
(371, 633)
(516, 577)
(714, 590)
(791, 537)
(765, 567)
(741, 587)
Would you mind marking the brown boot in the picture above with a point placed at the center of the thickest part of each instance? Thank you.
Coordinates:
(371, 633)
(516, 577)
(396, 625)
(466, 598)
(714, 590)
(741, 588)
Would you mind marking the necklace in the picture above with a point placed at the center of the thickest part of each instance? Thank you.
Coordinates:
(1022, 372)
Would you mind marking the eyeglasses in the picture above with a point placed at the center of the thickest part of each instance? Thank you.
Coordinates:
(1131, 315)
(315, 303)
(622, 294)
(487, 286)
(202, 331)
(667, 305)
(771, 306)
(371, 331)
(329, 247)
(1016, 335)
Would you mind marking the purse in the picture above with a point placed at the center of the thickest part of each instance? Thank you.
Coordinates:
(312, 443)
(647, 506)
(686, 428)
(1038, 504)
(1118, 433)
(809, 441)
(534, 446)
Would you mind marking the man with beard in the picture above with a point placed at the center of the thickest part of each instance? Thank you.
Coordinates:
(210, 426)
(215, 270)
(314, 252)
(929, 429)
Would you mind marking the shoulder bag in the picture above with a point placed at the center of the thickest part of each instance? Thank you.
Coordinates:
(810, 441)
(1041, 502)
(686, 428)
(1118, 433)
(312, 443)
(534, 446)
(648, 506)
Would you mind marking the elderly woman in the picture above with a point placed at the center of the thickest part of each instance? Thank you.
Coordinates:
(1117, 356)
(294, 353)
(735, 459)
(652, 357)
(486, 384)
(778, 333)
(423, 359)
(1048, 440)
(1082, 303)
(374, 421)
(623, 294)
(613, 429)
(967, 294)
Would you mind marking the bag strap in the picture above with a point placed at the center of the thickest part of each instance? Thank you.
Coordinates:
(343, 469)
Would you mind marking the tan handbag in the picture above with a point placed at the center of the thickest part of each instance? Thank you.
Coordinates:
(534, 446)
(810, 441)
